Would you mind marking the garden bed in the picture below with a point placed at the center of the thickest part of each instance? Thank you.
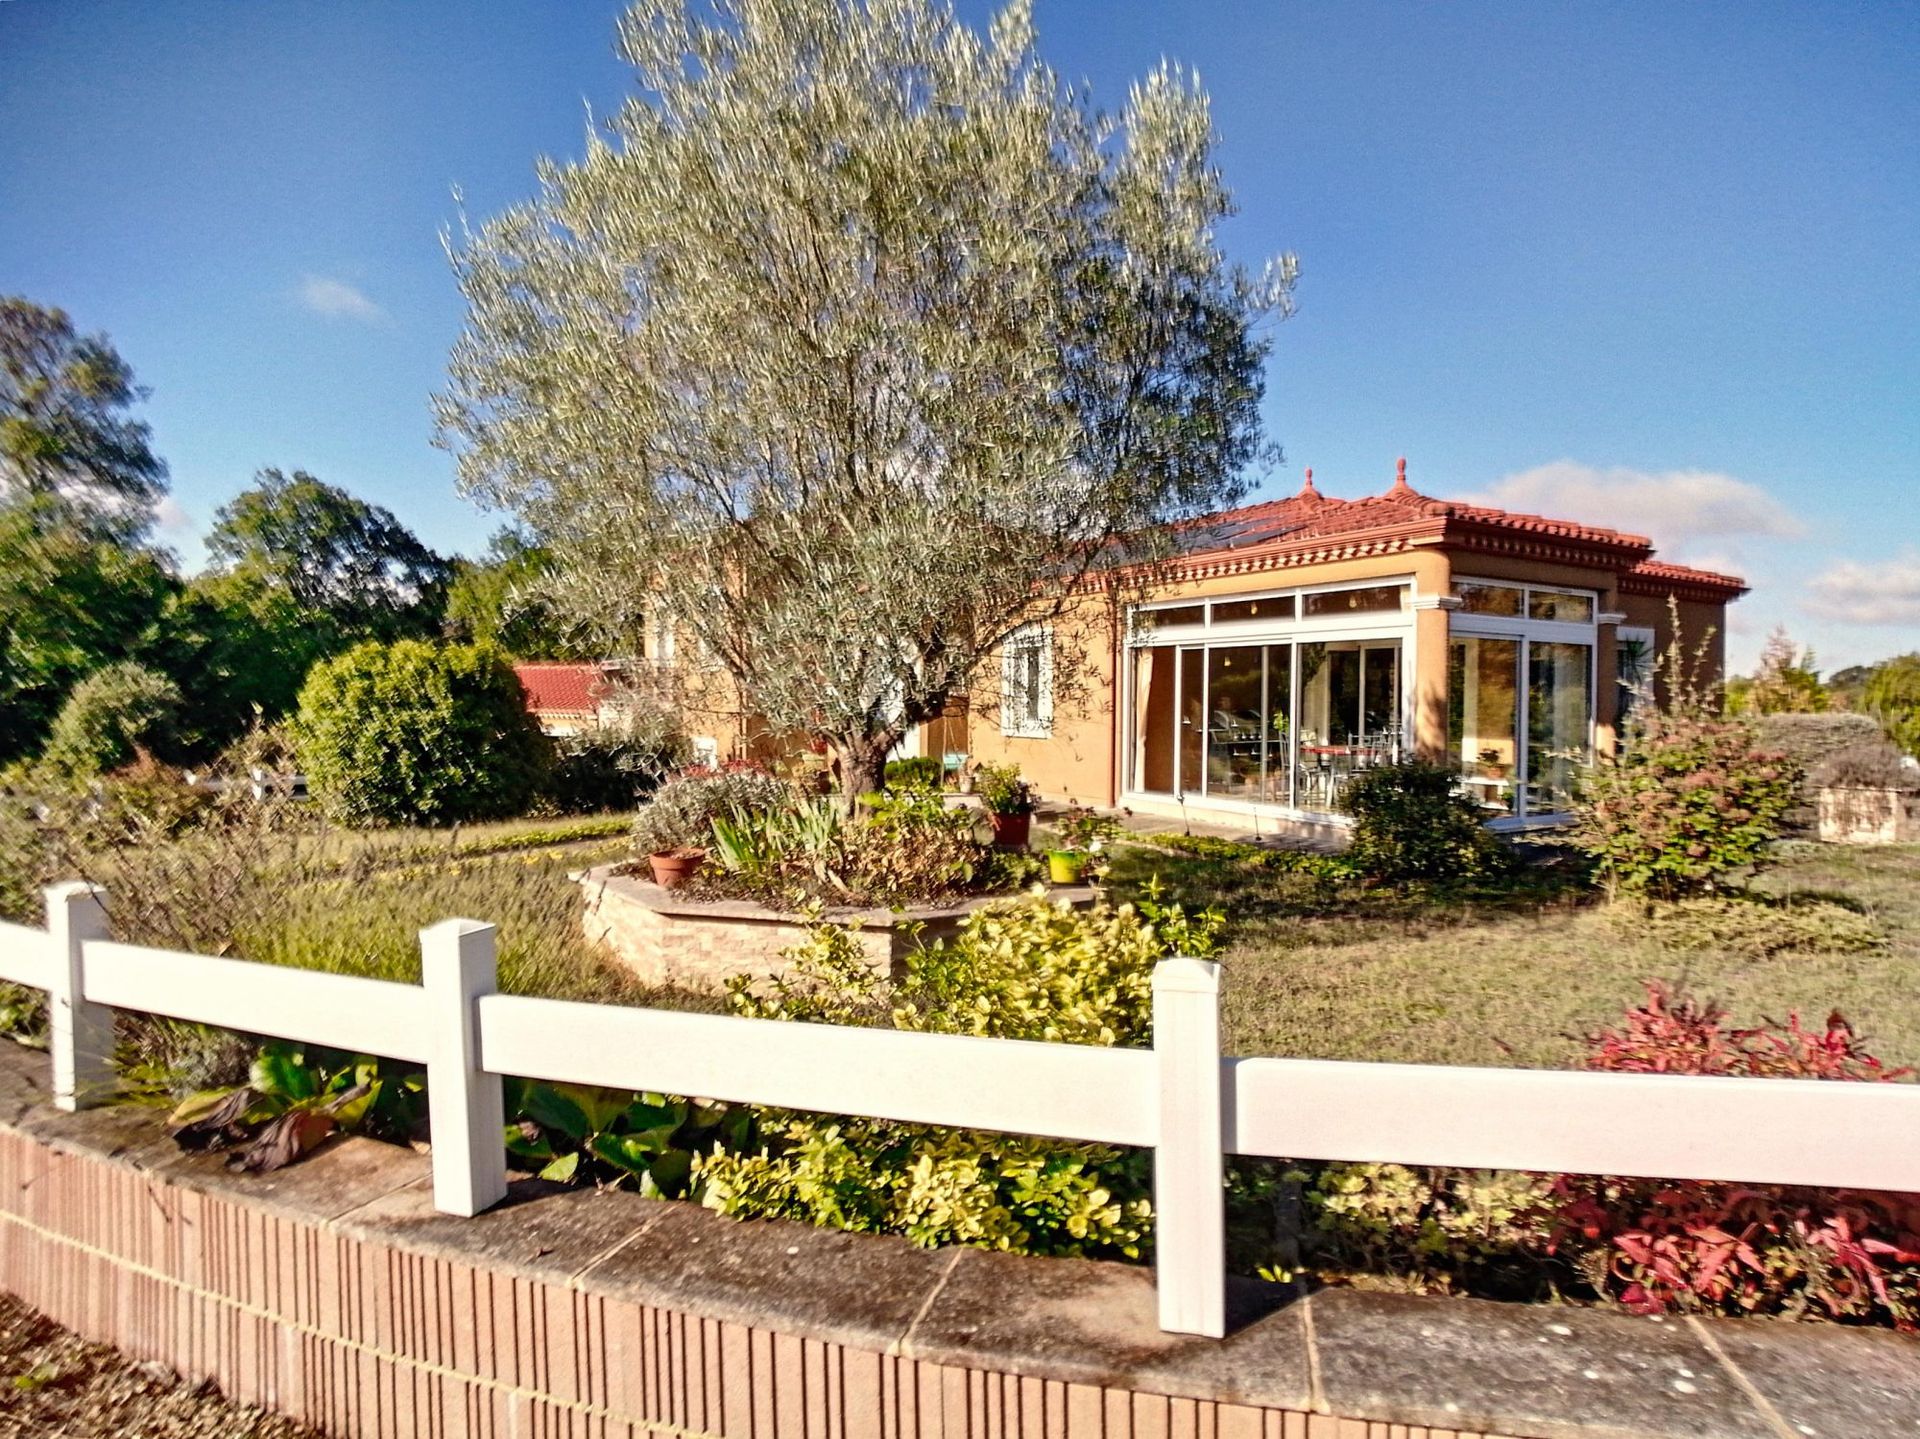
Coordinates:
(664, 937)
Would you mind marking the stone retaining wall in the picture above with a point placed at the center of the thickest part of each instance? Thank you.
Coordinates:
(667, 939)
(332, 1292)
(1868, 816)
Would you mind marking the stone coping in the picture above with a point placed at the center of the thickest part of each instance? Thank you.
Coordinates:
(670, 902)
(1458, 1366)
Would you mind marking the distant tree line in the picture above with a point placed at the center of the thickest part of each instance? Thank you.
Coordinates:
(96, 616)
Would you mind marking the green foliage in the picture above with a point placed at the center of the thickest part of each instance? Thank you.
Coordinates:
(949, 338)
(416, 732)
(1434, 1230)
(1787, 682)
(917, 772)
(1002, 790)
(1021, 969)
(1408, 824)
(331, 554)
(499, 600)
(682, 811)
(67, 435)
(113, 716)
(574, 1132)
(1752, 924)
(70, 603)
(1892, 695)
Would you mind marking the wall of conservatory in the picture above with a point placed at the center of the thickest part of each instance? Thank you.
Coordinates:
(1270, 702)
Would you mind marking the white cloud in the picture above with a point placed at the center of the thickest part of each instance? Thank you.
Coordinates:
(338, 300)
(1677, 509)
(171, 517)
(1869, 594)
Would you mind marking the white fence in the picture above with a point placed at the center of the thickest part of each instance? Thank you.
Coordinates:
(1180, 1098)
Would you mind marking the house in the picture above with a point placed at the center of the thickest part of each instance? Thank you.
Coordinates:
(1297, 641)
(566, 699)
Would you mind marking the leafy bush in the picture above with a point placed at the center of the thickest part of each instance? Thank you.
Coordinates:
(575, 1132)
(1874, 764)
(1026, 969)
(1002, 790)
(1751, 924)
(111, 717)
(1690, 798)
(1408, 824)
(682, 811)
(1809, 740)
(915, 772)
(1664, 1246)
(419, 733)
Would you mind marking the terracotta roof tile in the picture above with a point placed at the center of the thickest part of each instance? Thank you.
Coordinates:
(554, 689)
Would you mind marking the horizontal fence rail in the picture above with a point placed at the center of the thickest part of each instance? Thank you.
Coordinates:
(1181, 1098)
(1063, 1091)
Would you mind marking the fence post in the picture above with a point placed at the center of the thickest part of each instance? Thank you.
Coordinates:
(80, 1034)
(1189, 1164)
(465, 1111)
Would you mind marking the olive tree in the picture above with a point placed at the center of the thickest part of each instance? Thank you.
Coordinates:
(855, 343)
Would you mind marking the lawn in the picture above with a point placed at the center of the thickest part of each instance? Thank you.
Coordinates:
(1517, 981)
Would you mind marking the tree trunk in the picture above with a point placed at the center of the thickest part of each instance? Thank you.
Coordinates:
(863, 764)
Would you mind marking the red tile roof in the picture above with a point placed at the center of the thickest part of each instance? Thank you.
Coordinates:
(1657, 577)
(562, 689)
(1309, 527)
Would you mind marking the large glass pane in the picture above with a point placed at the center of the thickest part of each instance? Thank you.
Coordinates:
(1483, 719)
(1279, 723)
(1559, 605)
(1153, 720)
(1159, 619)
(1193, 720)
(1235, 726)
(1372, 600)
(1477, 598)
(1272, 607)
(1559, 705)
(1380, 696)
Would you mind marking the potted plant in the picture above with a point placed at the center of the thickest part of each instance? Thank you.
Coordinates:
(1008, 801)
(1084, 834)
(1493, 764)
(671, 832)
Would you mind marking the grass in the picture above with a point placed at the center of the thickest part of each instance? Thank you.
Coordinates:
(1517, 979)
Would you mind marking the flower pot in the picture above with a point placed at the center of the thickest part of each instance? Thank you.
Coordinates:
(674, 867)
(1010, 831)
(1066, 866)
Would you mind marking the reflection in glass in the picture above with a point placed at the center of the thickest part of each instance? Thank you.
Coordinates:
(1279, 723)
(1273, 607)
(1153, 726)
(1484, 599)
(1193, 720)
(1370, 600)
(1559, 684)
(1559, 605)
(1235, 727)
(1483, 719)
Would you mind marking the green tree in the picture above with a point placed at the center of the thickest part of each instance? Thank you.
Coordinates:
(112, 717)
(71, 601)
(862, 343)
(337, 558)
(66, 431)
(1892, 696)
(419, 733)
(1787, 681)
(501, 599)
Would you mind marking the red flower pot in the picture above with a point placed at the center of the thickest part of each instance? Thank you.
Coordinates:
(674, 867)
(1010, 831)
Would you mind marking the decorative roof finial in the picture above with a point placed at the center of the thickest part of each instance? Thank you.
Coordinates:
(1307, 491)
(1400, 485)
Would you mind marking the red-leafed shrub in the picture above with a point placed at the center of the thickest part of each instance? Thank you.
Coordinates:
(1661, 1245)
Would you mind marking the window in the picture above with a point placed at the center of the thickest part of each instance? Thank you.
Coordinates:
(1170, 615)
(1477, 598)
(1633, 671)
(1372, 600)
(1273, 607)
(1560, 606)
(1026, 684)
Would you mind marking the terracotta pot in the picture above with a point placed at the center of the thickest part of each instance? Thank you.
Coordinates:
(1010, 831)
(674, 867)
(1066, 866)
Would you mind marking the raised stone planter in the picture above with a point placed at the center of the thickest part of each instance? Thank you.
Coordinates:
(665, 937)
(1868, 816)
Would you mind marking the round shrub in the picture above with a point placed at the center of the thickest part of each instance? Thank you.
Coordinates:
(112, 717)
(1408, 824)
(419, 733)
(682, 811)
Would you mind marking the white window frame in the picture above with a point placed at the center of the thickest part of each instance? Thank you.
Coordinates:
(1025, 714)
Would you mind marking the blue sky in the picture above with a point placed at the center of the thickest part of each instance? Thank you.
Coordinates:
(1652, 266)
